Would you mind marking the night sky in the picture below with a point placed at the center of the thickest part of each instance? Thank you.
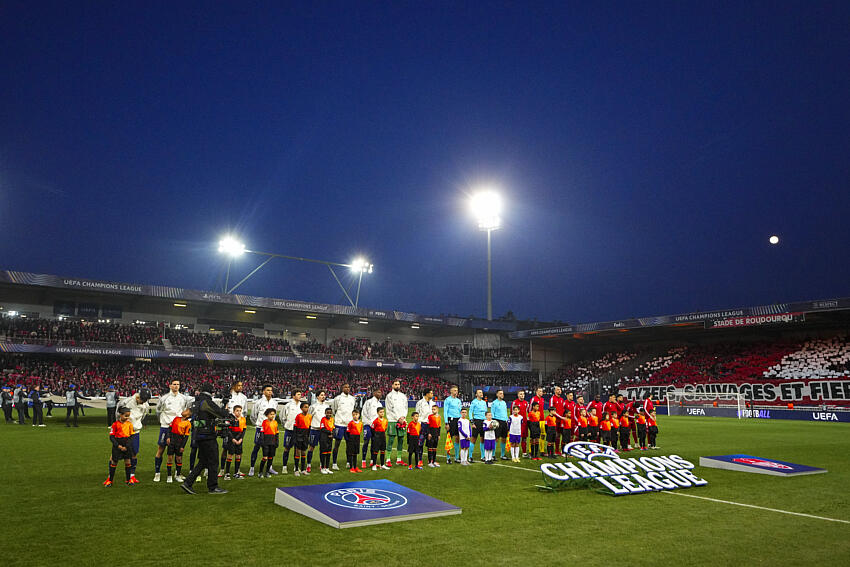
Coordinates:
(645, 153)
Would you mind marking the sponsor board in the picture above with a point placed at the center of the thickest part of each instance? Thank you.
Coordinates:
(836, 416)
(749, 463)
(602, 468)
(353, 504)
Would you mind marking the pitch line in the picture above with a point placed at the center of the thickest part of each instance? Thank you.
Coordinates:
(758, 507)
(674, 493)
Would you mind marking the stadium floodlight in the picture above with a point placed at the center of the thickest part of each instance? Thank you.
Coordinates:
(774, 239)
(231, 246)
(362, 266)
(486, 205)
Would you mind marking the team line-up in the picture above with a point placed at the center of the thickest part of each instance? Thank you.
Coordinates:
(381, 424)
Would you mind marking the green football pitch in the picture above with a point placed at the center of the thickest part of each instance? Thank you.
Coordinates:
(55, 510)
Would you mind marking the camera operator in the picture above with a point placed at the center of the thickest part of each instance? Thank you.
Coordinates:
(204, 414)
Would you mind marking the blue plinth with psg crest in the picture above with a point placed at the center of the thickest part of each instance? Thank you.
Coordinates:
(363, 503)
(749, 463)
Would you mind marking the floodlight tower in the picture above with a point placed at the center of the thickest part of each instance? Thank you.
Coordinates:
(486, 205)
(232, 247)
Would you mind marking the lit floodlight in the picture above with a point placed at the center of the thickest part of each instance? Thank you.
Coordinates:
(487, 206)
(774, 239)
(362, 266)
(230, 246)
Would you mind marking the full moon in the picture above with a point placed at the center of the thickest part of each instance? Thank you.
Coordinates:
(774, 239)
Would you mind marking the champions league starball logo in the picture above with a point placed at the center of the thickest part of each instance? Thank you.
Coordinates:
(365, 498)
(761, 463)
(588, 451)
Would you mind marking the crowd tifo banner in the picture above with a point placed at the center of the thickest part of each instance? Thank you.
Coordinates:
(780, 392)
(705, 317)
(187, 355)
(47, 280)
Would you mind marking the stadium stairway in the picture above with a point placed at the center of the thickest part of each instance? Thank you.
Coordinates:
(167, 344)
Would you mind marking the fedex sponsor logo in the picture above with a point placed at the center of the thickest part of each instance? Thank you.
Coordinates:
(761, 463)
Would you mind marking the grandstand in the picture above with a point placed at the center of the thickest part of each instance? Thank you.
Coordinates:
(219, 337)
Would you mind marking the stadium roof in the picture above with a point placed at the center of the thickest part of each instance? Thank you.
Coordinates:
(320, 314)
(738, 318)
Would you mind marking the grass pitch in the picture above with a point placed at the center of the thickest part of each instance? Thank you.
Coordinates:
(56, 511)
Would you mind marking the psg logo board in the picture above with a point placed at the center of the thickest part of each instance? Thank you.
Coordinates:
(353, 504)
(749, 463)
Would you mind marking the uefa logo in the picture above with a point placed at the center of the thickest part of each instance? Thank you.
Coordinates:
(589, 451)
(761, 463)
(365, 498)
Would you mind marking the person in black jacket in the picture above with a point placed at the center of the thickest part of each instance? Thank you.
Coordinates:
(37, 415)
(6, 399)
(204, 413)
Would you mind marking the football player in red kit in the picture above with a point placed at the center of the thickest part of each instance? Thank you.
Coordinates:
(557, 405)
(523, 411)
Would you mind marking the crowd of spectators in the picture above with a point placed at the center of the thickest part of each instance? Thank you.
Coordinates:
(79, 333)
(243, 342)
(72, 332)
(92, 377)
(578, 376)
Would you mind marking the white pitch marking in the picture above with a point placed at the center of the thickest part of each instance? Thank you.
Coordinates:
(758, 507)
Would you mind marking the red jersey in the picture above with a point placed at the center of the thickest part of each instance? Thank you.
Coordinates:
(434, 421)
(380, 424)
(558, 404)
(180, 426)
(540, 401)
(238, 428)
(413, 428)
(593, 420)
(534, 416)
(551, 421)
(648, 406)
(631, 409)
(605, 425)
(615, 423)
(523, 407)
(122, 430)
(327, 424)
(597, 405)
(270, 427)
(624, 422)
(582, 421)
(303, 421)
(354, 428)
(611, 407)
(650, 421)
(641, 419)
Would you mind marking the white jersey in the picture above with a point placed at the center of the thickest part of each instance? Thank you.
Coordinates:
(370, 411)
(464, 429)
(237, 399)
(258, 413)
(396, 404)
(343, 405)
(516, 425)
(288, 413)
(137, 411)
(490, 426)
(170, 406)
(423, 406)
(317, 410)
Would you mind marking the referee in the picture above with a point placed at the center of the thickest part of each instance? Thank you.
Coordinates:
(451, 415)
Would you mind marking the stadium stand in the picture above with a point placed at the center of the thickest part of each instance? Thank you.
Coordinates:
(92, 377)
(242, 342)
(819, 358)
(72, 332)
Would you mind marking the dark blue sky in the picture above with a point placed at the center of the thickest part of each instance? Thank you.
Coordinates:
(646, 153)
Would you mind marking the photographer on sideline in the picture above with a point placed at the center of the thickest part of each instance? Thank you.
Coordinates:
(204, 414)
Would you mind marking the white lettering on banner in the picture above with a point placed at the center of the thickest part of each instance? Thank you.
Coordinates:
(824, 416)
(622, 476)
(88, 350)
(766, 391)
(103, 285)
(696, 411)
